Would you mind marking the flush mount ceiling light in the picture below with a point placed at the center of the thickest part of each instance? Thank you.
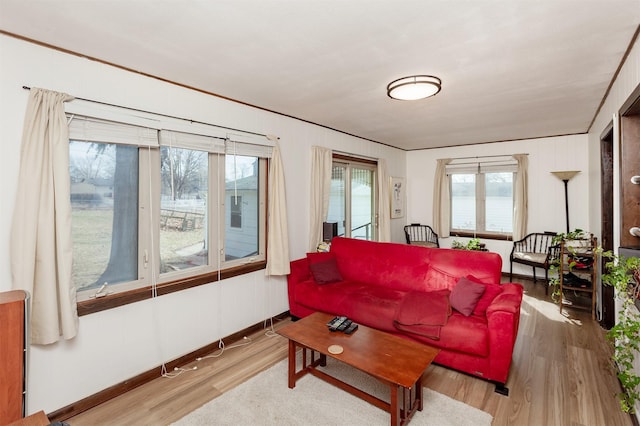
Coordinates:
(414, 87)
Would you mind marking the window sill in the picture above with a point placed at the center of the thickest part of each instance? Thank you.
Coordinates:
(485, 236)
(124, 298)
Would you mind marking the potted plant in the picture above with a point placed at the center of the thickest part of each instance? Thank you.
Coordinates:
(577, 243)
(473, 244)
(623, 274)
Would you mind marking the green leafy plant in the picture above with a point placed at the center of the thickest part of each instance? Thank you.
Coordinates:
(473, 244)
(623, 274)
(554, 267)
(576, 234)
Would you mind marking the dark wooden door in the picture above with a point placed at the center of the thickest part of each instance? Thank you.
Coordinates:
(606, 190)
(629, 167)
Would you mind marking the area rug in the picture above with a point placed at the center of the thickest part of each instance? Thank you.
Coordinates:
(267, 400)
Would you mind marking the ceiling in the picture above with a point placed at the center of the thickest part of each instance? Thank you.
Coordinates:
(510, 69)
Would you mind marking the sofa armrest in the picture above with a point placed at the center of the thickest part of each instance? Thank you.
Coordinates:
(508, 301)
(503, 318)
(299, 272)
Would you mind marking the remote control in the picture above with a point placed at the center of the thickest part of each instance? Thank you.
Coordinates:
(353, 327)
(336, 324)
(333, 321)
(344, 325)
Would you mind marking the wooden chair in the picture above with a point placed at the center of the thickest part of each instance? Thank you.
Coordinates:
(421, 235)
(535, 250)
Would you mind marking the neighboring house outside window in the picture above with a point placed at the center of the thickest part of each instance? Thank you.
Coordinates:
(236, 211)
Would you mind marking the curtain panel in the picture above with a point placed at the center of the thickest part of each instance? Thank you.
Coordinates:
(384, 202)
(40, 241)
(441, 200)
(321, 166)
(278, 235)
(520, 193)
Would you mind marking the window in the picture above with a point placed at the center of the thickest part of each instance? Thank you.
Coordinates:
(236, 211)
(162, 207)
(184, 189)
(482, 200)
(104, 213)
(352, 202)
(245, 210)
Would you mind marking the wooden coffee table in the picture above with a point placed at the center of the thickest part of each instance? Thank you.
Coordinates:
(392, 360)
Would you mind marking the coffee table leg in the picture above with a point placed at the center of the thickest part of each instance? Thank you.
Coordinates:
(419, 394)
(395, 408)
(292, 364)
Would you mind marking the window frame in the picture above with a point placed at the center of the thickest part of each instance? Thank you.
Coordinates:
(217, 268)
(480, 203)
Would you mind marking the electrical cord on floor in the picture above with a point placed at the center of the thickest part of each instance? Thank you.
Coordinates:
(176, 371)
(179, 370)
(271, 332)
(245, 341)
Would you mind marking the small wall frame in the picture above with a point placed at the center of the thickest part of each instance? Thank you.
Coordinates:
(398, 191)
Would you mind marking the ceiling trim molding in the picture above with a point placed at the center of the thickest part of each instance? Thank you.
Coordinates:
(633, 40)
(501, 141)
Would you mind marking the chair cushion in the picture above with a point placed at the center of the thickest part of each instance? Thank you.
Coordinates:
(540, 258)
(424, 244)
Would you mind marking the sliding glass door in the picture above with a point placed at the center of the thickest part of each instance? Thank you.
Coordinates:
(352, 202)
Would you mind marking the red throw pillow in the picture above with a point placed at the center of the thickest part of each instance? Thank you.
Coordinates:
(324, 267)
(491, 292)
(439, 279)
(465, 296)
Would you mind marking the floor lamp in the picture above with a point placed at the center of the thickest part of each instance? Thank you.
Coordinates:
(565, 176)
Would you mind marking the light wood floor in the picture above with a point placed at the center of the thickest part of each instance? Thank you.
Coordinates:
(561, 375)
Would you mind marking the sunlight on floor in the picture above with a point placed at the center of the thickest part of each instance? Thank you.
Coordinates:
(548, 309)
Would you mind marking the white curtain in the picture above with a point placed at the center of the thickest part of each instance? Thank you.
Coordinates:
(384, 202)
(278, 232)
(321, 166)
(40, 242)
(520, 203)
(441, 200)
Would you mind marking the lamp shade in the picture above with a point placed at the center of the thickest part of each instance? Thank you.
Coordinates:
(414, 87)
(565, 175)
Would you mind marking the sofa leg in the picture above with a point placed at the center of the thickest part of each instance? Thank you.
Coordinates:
(502, 389)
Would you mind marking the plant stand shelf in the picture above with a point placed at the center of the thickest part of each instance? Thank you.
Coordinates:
(578, 272)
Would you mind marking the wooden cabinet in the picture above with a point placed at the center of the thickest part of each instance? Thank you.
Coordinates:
(578, 272)
(13, 347)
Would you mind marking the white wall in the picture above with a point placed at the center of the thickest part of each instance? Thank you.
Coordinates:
(627, 81)
(120, 343)
(546, 192)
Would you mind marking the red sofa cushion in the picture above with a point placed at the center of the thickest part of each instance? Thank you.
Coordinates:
(465, 296)
(398, 266)
(324, 268)
(491, 292)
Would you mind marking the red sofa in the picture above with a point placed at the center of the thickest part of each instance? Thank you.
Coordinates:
(375, 284)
